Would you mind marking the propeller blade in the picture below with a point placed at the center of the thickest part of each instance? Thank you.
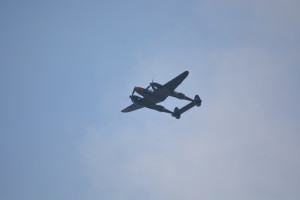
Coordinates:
(151, 84)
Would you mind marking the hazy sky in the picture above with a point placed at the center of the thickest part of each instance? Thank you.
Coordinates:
(68, 67)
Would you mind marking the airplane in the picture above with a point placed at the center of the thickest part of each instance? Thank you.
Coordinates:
(158, 94)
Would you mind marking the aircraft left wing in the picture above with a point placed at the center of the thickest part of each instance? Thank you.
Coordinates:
(173, 84)
(132, 107)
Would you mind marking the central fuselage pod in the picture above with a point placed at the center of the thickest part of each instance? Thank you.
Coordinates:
(147, 94)
(163, 90)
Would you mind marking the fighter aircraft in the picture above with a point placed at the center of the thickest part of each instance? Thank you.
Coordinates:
(158, 94)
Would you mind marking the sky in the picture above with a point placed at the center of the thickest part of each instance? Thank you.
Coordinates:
(68, 67)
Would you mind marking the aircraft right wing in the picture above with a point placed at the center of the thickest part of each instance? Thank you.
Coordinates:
(132, 107)
(173, 84)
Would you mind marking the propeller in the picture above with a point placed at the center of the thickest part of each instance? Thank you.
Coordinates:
(151, 84)
(133, 91)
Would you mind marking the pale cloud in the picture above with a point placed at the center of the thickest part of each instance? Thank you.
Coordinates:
(242, 143)
(262, 23)
(231, 148)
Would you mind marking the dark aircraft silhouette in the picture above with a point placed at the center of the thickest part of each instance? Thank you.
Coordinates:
(158, 94)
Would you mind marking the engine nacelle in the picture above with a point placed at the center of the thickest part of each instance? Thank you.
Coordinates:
(180, 95)
(160, 108)
(155, 86)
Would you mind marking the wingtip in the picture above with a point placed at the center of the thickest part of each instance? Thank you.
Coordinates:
(185, 73)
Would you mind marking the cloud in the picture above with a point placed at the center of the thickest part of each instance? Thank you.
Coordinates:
(231, 148)
(242, 143)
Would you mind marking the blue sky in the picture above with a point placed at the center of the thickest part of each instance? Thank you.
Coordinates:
(68, 67)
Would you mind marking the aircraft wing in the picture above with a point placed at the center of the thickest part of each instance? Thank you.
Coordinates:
(173, 84)
(132, 107)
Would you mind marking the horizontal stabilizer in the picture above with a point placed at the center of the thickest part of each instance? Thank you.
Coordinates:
(196, 102)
